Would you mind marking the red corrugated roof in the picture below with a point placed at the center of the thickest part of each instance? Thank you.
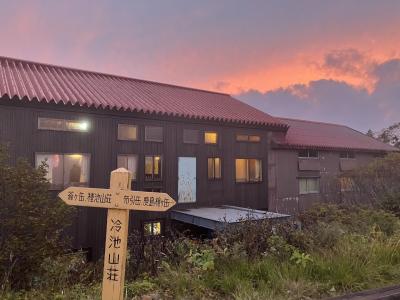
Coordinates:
(309, 134)
(47, 83)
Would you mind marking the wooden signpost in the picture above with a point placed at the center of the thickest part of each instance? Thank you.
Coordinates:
(118, 199)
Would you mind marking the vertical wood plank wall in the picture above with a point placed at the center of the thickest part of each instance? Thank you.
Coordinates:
(18, 127)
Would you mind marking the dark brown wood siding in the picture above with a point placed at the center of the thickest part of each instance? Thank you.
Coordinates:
(18, 127)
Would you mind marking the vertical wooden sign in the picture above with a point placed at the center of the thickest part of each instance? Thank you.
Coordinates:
(119, 200)
(116, 241)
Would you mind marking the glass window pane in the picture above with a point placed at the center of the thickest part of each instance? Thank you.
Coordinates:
(254, 138)
(210, 137)
(76, 170)
(148, 167)
(51, 124)
(217, 168)
(241, 170)
(313, 153)
(122, 161)
(76, 125)
(54, 168)
(210, 168)
(153, 134)
(303, 153)
(313, 185)
(156, 228)
(133, 161)
(157, 167)
(129, 162)
(127, 132)
(255, 169)
(242, 137)
(303, 185)
(147, 229)
(190, 136)
(346, 184)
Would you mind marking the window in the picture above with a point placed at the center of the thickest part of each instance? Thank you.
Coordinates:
(248, 138)
(152, 167)
(248, 170)
(152, 228)
(153, 134)
(308, 185)
(190, 136)
(63, 125)
(210, 137)
(347, 154)
(65, 170)
(127, 132)
(214, 168)
(346, 184)
(308, 153)
(129, 162)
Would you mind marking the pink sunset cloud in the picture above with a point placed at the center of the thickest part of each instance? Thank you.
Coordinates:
(271, 48)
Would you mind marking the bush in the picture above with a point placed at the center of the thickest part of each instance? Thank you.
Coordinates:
(31, 222)
(252, 238)
(324, 225)
(66, 270)
(379, 183)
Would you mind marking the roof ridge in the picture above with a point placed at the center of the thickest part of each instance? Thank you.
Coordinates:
(111, 75)
(316, 122)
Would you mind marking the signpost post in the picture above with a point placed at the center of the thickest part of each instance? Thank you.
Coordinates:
(118, 199)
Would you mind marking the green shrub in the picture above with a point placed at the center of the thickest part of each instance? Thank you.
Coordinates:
(31, 222)
(139, 287)
(378, 183)
(61, 272)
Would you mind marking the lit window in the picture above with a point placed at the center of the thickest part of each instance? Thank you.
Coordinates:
(129, 162)
(127, 132)
(152, 167)
(63, 125)
(214, 168)
(308, 153)
(347, 154)
(210, 137)
(190, 136)
(248, 170)
(153, 134)
(152, 228)
(65, 170)
(346, 184)
(308, 185)
(248, 138)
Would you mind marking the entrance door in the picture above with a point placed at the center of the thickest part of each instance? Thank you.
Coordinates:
(186, 179)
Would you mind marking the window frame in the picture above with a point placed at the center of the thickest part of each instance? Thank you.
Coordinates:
(129, 125)
(211, 131)
(310, 178)
(162, 168)
(52, 187)
(248, 138)
(213, 178)
(248, 171)
(152, 222)
(349, 155)
(189, 142)
(64, 124)
(137, 166)
(146, 127)
(350, 184)
(308, 154)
